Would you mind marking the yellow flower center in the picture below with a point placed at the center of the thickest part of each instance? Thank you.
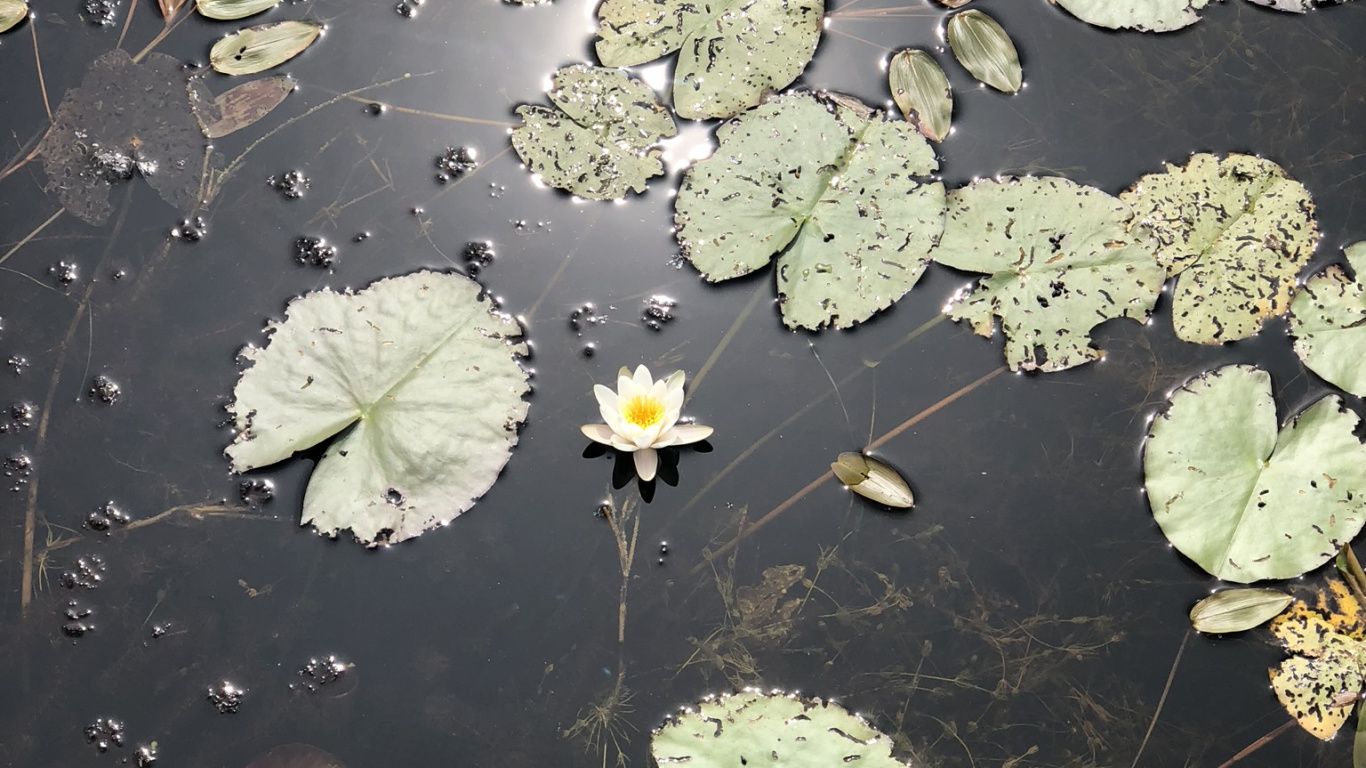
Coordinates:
(643, 411)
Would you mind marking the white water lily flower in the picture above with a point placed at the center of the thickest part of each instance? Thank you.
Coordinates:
(642, 416)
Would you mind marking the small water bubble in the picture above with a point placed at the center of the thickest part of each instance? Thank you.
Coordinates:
(291, 184)
(146, 755)
(405, 9)
(119, 274)
(589, 349)
(18, 468)
(520, 226)
(160, 630)
(374, 108)
(226, 697)
(88, 574)
(106, 516)
(360, 237)
(256, 492)
(101, 13)
(392, 496)
(478, 255)
(658, 311)
(104, 389)
(21, 416)
(496, 190)
(104, 733)
(64, 272)
(190, 230)
(456, 162)
(584, 316)
(17, 363)
(319, 672)
(416, 212)
(314, 252)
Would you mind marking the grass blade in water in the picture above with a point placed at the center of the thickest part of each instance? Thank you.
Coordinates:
(256, 49)
(12, 12)
(985, 50)
(1236, 610)
(922, 92)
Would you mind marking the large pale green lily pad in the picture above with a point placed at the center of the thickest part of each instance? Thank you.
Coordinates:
(1060, 259)
(833, 189)
(1242, 500)
(600, 142)
(770, 729)
(732, 51)
(1236, 232)
(1144, 15)
(416, 377)
(1328, 320)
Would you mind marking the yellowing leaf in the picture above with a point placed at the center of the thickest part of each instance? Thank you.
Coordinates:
(1318, 685)
(256, 49)
(12, 12)
(233, 9)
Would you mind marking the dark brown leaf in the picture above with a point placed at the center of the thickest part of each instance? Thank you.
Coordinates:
(243, 105)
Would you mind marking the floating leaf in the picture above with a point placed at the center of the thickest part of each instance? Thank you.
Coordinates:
(830, 187)
(1242, 501)
(1292, 6)
(954, 3)
(872, 479)
(1319, 685)
(733, 52)
(752, 728)
(985, 50)
(256, 49)
(233, 9)
(12, 12)
(168, 7)
(922, 92)
(1236, 610)
(1061, 258)
(1328, 320)
(600, 142)
(1143, 15)
(125, 120)
(1236, 232)
(417, 374)
(239, 107)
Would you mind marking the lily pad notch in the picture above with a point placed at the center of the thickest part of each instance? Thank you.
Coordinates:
(414, 380)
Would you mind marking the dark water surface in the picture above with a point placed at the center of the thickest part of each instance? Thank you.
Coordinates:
(1029, 589)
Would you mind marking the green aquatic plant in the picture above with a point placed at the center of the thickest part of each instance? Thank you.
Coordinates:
(1243, 500)
(1237, 610)
(1328, 321)
(922, 93)
(836, 191)
(984, 49)
(256, 49)
(1059, 258)
(416, 376)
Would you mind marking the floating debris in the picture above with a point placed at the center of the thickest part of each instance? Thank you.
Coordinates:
(478, 255)
(291, 184)
(64, 272)
(256, 492)
(226, 697)
(104, 733)
(77, 620)
(456, 162)
(320, 672)
(314, 252)
(18, 468)
(18, 363)
(104, 389)
(101, 13)
(190, 230)
(658, 312)
(106, 517)
(585, 315)
(88, 574)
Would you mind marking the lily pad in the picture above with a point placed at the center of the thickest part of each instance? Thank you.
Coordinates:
(1060, 259)
(833, 189)
(125, 120)
(256, 49)
(733, 52)
(1143, 15)
(1328, 320)
(1319, 684)
(1240, 499)
(417, 379)
(600, 142)
(1236, 232)
(752, 728)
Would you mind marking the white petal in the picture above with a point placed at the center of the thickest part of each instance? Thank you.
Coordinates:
(643, 379)
(690, 433)
(647, 463)
(675, 381)
(598, 433)
(623, 378)
(606, 397)
(622, 444)
(673, 400)
(612, 418)
(658, 391)
(646, 437)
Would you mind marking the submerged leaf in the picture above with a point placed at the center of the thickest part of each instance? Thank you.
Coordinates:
(985, 50)
(922, 92)
(1319, 685)
(256, 49)
(232, 9)
(1240, 499)
(125, 120)
(239, 107)
(12, 12)
(1235, 232)
(1328, 321)
(600, 142)
(1143, 15)
(1060, 259)
(1236, 610)
(872, 479)
(833, 189)
(296, 756)
(752, 728)
(733, 52)
(419, 377)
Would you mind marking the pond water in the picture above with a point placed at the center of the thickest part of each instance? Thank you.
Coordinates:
(1027, 612)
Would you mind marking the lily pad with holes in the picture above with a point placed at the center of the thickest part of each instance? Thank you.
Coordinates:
(836, 191)
(1143, 15)
(600, 140)
(732, 52)
(1319, 683)
(1059, 258)
(125, 120)
(753, 728)
(1328, 320)
(414, 383)
(1235, 231)
(1242, 500)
